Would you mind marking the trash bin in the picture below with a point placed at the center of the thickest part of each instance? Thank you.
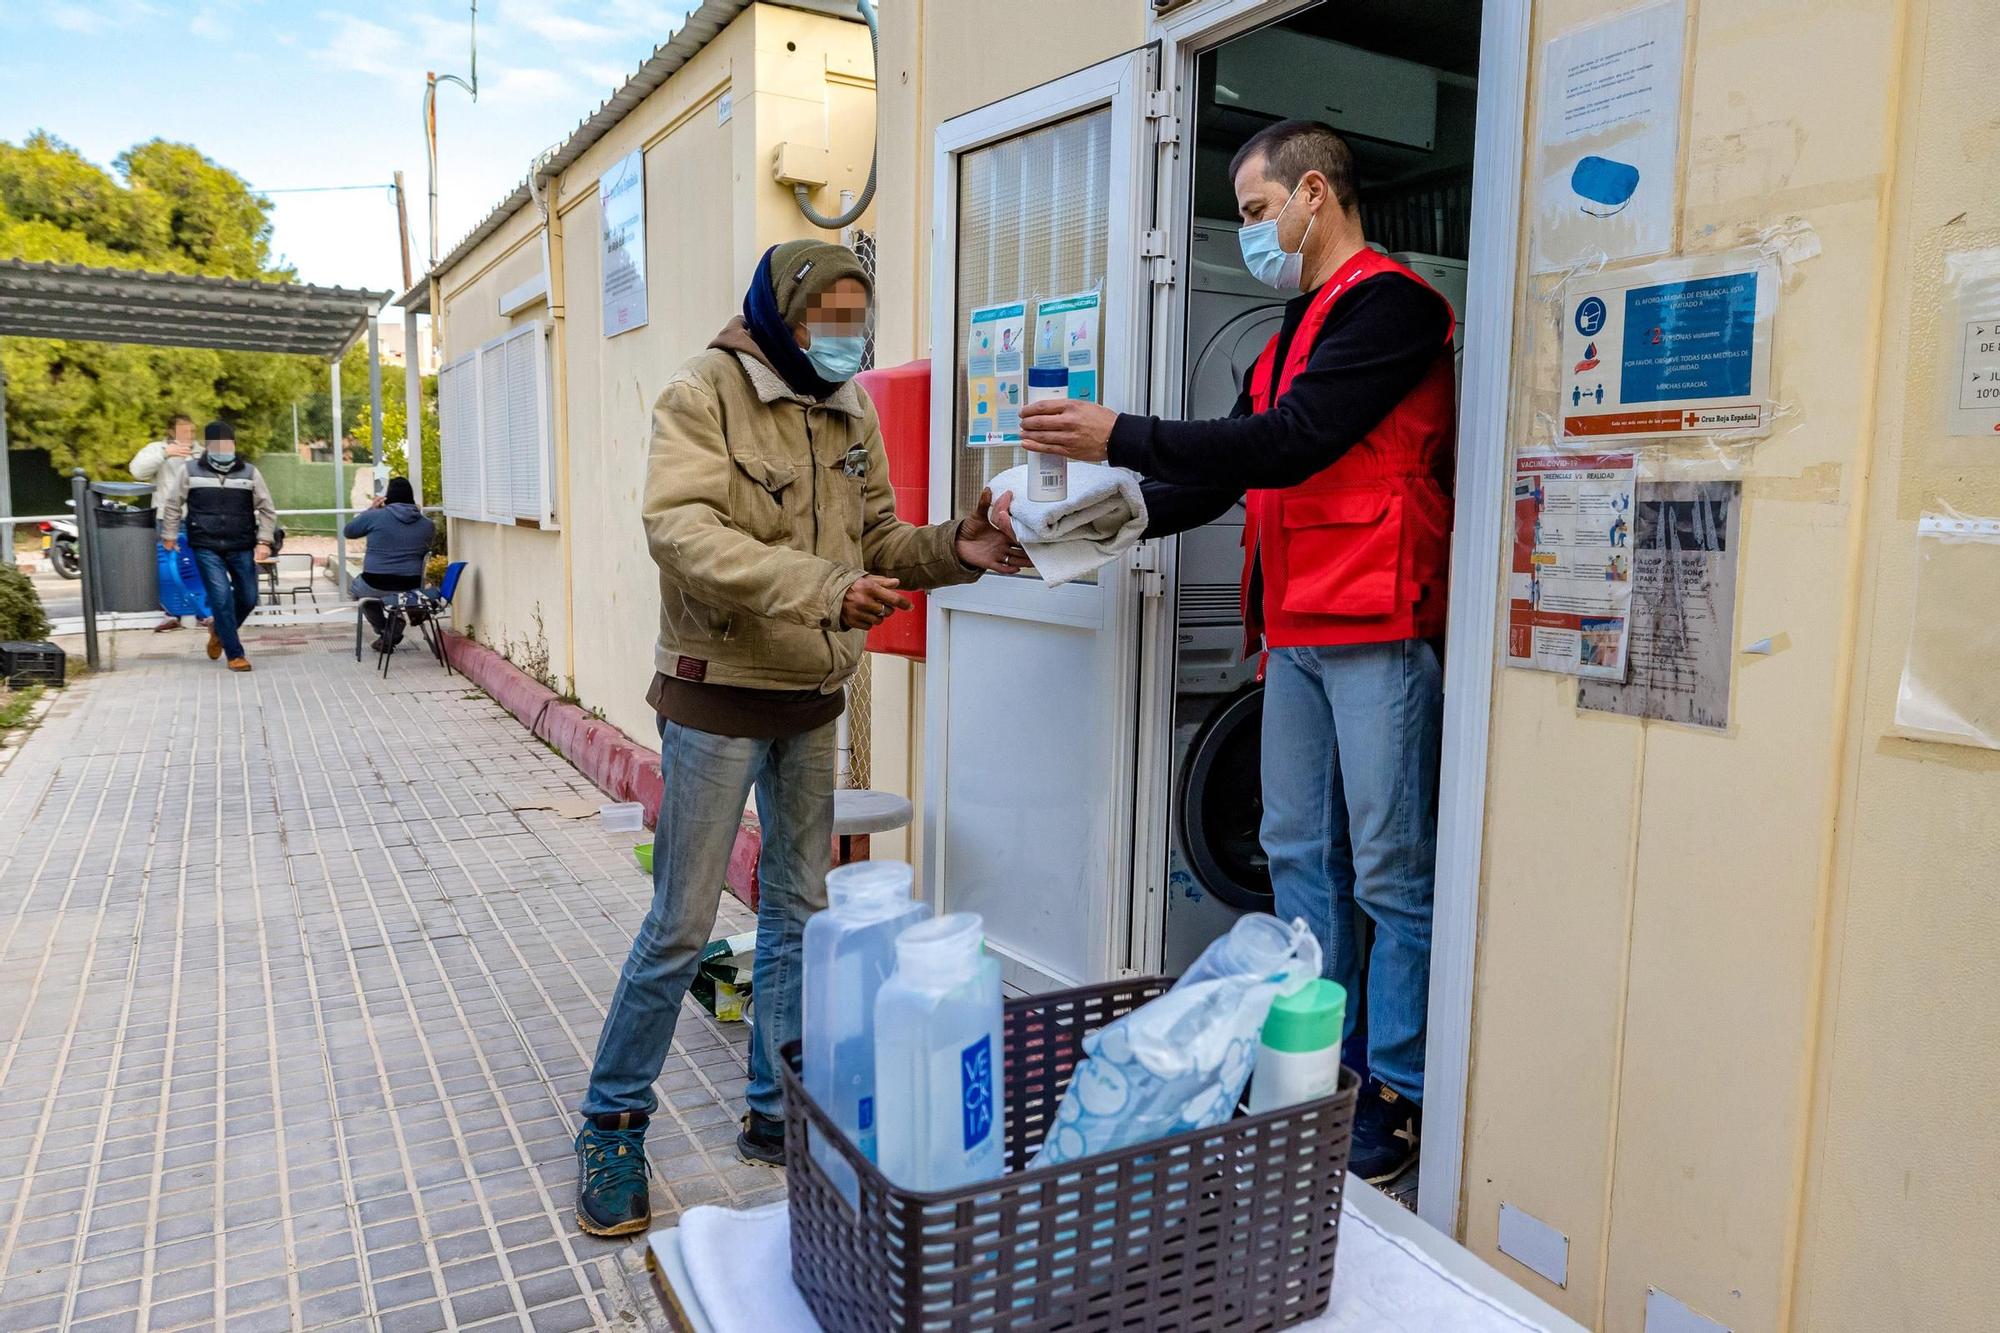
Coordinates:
(126, 571)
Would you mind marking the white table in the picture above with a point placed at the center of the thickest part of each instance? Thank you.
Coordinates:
(1451, 1265)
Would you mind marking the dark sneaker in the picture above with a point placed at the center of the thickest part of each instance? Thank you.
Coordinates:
(761, 1142)
(611, 1198)
(1387, 1130)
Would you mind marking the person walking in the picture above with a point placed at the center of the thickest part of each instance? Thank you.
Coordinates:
(399, 541)
(768, 511)
(230, 526)
(169, 455)
(1342, 445)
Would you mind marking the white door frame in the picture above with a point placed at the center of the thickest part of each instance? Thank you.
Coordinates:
(1488, 323)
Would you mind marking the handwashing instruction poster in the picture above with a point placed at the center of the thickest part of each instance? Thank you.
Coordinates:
(1066, 337)
(621, 203)
(1569, 587)
(996, 375)
(1681, 347)
(1610, 139)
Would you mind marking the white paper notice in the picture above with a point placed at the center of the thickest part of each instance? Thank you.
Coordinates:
(1610, 139)
(995, 375)
(1681, 347)
(621, 203)
(1973, 328)
(1684, 550)
(1570, 583)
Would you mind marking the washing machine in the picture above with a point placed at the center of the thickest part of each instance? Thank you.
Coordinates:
(1216, 868)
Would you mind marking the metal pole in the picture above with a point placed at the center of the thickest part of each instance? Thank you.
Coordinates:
(413, 404)
(86, 540)
(295, 430)
(375, 399)
(6, 480)
(339, 486)
(403, 230)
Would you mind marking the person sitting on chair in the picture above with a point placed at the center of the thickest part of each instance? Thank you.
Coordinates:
(399, 538)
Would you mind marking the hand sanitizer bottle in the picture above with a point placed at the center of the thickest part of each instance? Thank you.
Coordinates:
(938, 1058)
(850, 949)
(1048, 474)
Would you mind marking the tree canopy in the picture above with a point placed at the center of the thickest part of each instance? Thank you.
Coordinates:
(163, 208)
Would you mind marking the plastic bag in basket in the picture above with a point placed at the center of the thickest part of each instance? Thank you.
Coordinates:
(1179, 1062)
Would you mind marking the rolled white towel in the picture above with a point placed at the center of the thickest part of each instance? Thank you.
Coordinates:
(1104, 514)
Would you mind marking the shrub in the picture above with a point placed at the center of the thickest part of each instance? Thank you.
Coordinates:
(21, 615)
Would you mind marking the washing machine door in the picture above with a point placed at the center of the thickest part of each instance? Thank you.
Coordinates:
(1224, 360)
(1222, 805)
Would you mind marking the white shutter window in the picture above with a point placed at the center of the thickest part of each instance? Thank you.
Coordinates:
(496, 495)
(458, 437)
(527, 424)
(495, 433)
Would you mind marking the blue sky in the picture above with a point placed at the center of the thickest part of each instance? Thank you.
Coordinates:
(310, 92)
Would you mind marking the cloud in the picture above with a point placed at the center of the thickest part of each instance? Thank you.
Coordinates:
(208, 23)
(77, 18)
(528, 87)
(563, 28)
(91, 19)
(604, 74)
(364, 47)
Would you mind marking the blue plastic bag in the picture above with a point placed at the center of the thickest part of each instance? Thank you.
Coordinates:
(181, 590)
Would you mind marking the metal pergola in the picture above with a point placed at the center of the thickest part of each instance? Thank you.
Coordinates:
(83, 304)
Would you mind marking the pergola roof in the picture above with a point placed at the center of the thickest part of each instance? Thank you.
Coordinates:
(181, 309)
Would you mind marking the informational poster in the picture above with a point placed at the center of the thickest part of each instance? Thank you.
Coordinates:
(1066, 337)
(621, 202)
(1610, 139)
(1570, 583)
(1684, 548)
(1681, 347)
(1973, 328)
(995, 375)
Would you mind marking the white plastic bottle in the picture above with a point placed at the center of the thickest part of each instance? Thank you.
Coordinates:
(850, 949)
(1298, 1053)
(938, 1058)
(1048, 474)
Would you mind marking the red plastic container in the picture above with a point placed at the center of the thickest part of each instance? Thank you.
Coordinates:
(902, 397)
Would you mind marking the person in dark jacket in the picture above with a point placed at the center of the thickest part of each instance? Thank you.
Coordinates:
(399, 541)
(231, 524)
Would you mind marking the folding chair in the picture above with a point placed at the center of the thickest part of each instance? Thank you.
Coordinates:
(436, 607)
(292, 574)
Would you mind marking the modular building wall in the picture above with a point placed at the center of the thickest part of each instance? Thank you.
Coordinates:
(579, 605)
(1734, 1025)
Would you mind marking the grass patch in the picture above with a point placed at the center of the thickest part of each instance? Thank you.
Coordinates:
(15, 706)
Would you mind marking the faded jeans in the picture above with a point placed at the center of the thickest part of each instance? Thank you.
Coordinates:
(708, 778)
(1350, 770)
(230, 577)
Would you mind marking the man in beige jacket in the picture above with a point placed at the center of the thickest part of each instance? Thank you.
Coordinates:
(768, 511)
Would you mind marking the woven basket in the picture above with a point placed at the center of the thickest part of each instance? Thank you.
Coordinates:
(1227, 1228)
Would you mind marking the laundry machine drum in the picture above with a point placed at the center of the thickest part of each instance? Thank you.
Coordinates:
(1222, 805)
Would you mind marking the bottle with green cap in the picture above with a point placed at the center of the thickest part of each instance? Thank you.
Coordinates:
(1298, 1056)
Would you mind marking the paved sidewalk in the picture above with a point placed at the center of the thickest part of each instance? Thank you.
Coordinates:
(300, 976)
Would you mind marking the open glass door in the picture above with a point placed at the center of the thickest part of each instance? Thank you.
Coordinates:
(1029, 743)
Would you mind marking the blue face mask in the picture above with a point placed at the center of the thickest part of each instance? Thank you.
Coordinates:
(836, 356)
(1268, 261)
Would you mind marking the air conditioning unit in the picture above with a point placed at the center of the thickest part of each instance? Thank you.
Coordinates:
(1277, 72)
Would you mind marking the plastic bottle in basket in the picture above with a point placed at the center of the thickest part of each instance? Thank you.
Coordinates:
(850, 949)
(938, 1058)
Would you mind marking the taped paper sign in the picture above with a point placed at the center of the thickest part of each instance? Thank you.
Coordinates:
(995, 366)
(1973, 326)
(1950, 691)
(1684, 549)
(1066, 338)
(1570, 583)
(1610, 139)
(1681, 347)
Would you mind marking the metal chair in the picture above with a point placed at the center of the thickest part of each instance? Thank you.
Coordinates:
(437, 609)
(292, 574)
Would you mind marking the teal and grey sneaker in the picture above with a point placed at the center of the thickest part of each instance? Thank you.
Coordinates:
(611, 1198)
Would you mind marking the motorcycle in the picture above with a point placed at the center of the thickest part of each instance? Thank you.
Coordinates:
(59, 544)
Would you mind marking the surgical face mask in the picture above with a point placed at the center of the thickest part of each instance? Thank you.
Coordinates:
(221, 457)
(836, 356)
(1268, 261)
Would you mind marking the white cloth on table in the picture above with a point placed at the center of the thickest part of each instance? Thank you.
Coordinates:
(1103, 514)
(740, 1266)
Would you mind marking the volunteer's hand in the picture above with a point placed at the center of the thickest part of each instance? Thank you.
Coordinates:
(175, 449)
(984, 544)
(870, 600)
(1072, 427)
(263, 551)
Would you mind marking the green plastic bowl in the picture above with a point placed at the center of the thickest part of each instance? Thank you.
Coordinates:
(644, 853)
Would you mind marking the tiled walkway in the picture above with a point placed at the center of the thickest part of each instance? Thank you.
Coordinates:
(300, 975)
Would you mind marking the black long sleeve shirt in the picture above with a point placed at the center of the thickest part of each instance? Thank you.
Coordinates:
(1374, 349)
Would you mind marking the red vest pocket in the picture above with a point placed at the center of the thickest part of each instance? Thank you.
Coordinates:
(1343, 553)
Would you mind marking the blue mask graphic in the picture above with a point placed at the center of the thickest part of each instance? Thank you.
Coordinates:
(1268, 260)
(1604, 186)
(836, 356)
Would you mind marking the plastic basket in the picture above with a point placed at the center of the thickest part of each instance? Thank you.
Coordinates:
(1232, 1227)
(23, 664)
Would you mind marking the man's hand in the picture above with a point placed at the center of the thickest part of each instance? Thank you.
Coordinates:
(1072, 427)
(378, 502)
(175, 449)
(263, 551)
(870, 600)
(168, 543)
(984, 544)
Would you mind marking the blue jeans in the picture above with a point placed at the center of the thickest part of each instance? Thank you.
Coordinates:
(1350, 770)
(231, 580)
(708, 778)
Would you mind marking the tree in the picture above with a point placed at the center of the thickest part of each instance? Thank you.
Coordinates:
(396, 431)
(168, 209)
